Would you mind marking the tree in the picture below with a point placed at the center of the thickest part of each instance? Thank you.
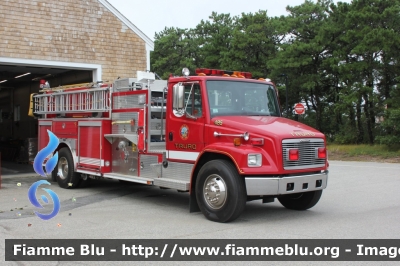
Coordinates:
(172, 51)
(214, 38)
(369, 39)
(253, 44)
(302, 55)
(341, 60)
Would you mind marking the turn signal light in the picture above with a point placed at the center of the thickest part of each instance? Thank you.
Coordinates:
(321, 153)
(293, 155)
(237, 141)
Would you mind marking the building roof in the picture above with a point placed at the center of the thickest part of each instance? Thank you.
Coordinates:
(128, 23)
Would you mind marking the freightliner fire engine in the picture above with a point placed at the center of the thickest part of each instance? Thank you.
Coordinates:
(218, 135)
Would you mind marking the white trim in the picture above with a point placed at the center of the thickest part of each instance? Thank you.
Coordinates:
(183, 155)
(45, 123)
(89, 123)
(91, 161)
(113, 10)
(97, 70)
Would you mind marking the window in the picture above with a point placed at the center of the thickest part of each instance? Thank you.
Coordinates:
(272, 102)
(193, 103)
(241, 98)
(255, 100)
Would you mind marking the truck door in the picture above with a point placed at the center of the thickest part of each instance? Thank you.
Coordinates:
(185, 129)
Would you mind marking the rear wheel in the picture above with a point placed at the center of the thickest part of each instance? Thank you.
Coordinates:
(64, 170)
(301, 201)
(220, 191)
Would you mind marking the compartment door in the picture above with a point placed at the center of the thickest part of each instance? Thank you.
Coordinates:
(89, 145)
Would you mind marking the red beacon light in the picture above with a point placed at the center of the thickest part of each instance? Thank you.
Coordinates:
(293, 155)
(321, 153)
(223, 73)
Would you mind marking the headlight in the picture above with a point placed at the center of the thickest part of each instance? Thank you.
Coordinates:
(254, 160)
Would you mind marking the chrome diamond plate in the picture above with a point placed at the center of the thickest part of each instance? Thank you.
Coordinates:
(129, 101)
(125, 128)
(145, 165)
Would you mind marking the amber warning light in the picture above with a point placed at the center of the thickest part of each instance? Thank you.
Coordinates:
(225, 73)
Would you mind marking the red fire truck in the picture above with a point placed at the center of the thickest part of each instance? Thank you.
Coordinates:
(218, 135)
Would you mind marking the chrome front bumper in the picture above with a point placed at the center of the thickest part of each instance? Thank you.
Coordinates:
(264, 186)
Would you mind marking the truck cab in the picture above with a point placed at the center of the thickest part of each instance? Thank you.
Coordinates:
(231, 128)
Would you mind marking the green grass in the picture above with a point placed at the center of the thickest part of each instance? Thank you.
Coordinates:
(379, 151)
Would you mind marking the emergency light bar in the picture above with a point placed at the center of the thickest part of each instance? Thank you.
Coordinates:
(226, 73)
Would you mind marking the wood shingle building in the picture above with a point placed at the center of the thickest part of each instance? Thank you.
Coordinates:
(63, 42)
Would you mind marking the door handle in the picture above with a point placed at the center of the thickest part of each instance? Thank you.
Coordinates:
(171, 136)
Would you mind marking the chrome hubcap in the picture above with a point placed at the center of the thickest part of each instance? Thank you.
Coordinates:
(214, 191)
(62, 168)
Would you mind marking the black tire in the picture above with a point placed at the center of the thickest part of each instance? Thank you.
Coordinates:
(54, 175)
(300, 201)
(64, 170)
(213, 177)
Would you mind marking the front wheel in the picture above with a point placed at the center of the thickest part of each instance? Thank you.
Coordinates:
(220, 191)
(300, 201)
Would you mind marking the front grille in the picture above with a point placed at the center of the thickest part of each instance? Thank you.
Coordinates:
(307, 153)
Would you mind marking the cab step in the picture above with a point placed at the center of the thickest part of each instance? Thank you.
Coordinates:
(181, 185)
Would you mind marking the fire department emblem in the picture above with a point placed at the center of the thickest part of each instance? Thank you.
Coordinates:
(184, 132)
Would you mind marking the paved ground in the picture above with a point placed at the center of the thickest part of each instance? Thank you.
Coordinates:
(12, 168)
(362, 201)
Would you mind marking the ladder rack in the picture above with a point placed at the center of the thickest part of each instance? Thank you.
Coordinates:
(73, 101)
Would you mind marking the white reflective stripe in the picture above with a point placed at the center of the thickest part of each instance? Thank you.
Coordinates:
(45, 123)
(183, 155)
(91, 161)
(89, 124)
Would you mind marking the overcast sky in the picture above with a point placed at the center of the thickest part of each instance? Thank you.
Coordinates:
(153, 16)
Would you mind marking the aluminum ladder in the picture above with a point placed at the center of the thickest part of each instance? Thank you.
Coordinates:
(78, 100)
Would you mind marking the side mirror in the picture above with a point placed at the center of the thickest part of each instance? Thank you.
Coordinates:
(178, 96)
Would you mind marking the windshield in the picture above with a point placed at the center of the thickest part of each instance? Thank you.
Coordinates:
(241, 98)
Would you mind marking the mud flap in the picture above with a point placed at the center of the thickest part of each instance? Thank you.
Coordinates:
(193, 206)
